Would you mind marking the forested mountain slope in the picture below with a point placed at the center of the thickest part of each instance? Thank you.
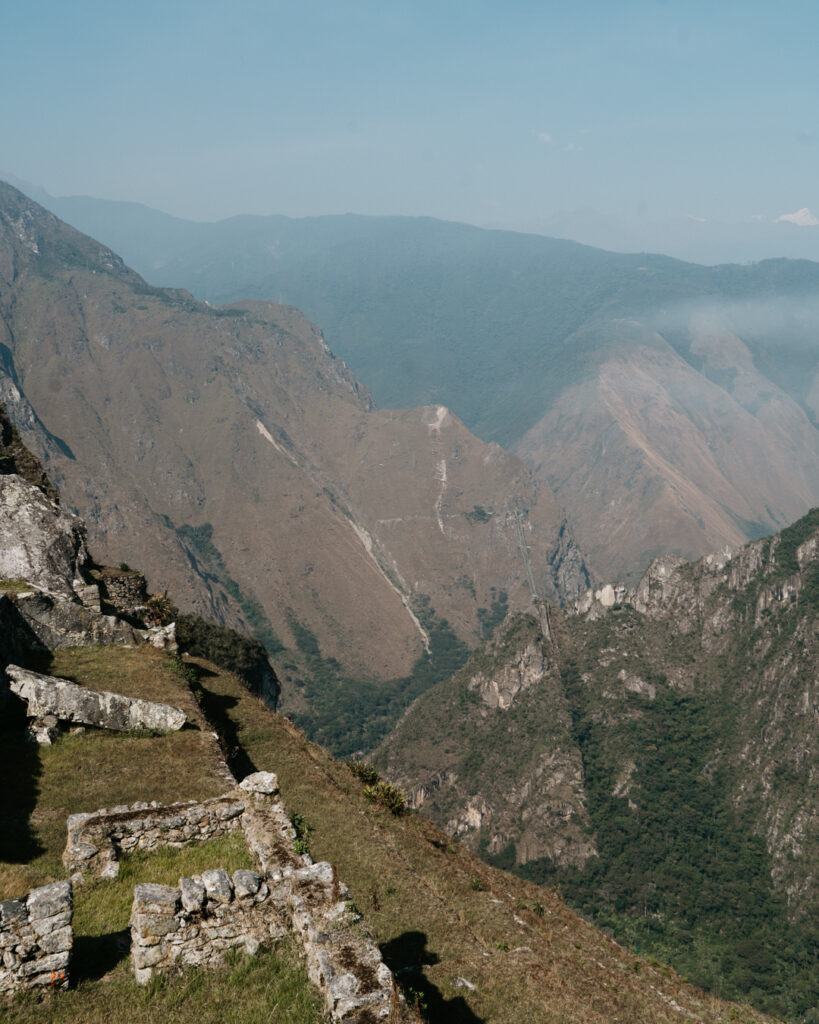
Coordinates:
(654, 751)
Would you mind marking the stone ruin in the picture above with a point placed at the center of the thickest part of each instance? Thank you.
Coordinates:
(51, 701)
(36, 939)
(95, 841)
(196, 922)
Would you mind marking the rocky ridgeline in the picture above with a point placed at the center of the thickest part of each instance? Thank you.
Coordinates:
(36, 939)
(671, 584)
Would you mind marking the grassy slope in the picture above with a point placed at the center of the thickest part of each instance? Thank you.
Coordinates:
(441, 914)
(438, 912)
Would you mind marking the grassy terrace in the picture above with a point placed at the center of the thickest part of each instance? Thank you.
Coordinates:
(439, 913)
(95, 769)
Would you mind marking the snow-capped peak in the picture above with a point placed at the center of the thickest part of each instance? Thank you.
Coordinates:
(802, 218)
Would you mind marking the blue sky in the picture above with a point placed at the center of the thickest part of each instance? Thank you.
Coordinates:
(489, 113)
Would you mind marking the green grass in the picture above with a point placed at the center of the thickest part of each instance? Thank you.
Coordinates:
(102, 907)
(271, 986)
(14, 586)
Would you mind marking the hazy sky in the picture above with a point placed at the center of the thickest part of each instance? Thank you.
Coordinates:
(485, 112)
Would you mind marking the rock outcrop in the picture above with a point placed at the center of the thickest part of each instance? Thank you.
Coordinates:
(39, 542)
(68, 702)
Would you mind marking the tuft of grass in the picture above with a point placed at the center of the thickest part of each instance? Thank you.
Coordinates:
(14, 586)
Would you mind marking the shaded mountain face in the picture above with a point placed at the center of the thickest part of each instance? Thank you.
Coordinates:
(670, 406)
(654, 751)
(230, 456)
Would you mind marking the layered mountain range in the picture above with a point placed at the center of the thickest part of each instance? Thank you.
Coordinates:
(671, 407)
(230, 456)
(651, 747)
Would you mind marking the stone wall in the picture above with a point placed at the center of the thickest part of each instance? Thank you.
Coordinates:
(36, 938)
(196, 922)
(96, 840)
(126, 591)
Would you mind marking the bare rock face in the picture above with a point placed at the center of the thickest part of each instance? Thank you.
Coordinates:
(47, 695)
(53, 623)
(39, 542)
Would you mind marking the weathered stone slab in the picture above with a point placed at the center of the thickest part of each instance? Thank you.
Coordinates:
(57, 622)
(47, 695)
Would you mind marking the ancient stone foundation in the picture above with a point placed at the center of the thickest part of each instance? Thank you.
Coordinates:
(95, 841)
(196, 922)
(36, 938)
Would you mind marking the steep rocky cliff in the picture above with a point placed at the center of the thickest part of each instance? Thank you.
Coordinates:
(648, 748)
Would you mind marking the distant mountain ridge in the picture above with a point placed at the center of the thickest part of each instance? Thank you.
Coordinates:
(230, 455)
(670, 406)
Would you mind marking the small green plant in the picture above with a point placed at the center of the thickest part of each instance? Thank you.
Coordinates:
(161, 610)
(364, 771)
(538, 909)
(301, 844)
(388, 796)
(475, 884)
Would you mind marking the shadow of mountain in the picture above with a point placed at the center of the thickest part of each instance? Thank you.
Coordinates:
(406, 956)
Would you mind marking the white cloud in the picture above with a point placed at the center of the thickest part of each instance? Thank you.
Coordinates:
(544, 137)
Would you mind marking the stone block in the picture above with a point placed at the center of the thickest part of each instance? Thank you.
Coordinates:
(59, 941)
(192, 893)
(47, 695)
(10, 911)
(49, 900)
(265, 783)
(246, 883)
(218, 885)
(155, 899)
(54, 962)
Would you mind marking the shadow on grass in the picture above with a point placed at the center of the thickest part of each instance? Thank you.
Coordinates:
(20, 769)
(94, 956)
(215, 707)
(406, 956)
